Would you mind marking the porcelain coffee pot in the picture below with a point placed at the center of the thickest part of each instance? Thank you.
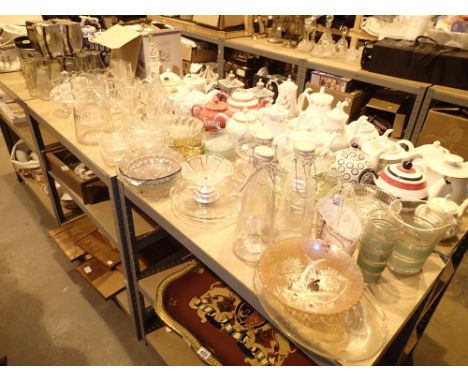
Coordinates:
(287, 96)
(443, 211)
(454, 171)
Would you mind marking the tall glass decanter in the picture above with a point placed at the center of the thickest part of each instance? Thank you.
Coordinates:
(294, 216)
(255, 222)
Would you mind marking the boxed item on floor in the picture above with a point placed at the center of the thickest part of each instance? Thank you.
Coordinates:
(13, 112)
(356, 99)
(387, 110)
(220, 22)
(330, 81)
(62, 163)
(197, 51)
(421, 60)
(449, 126)
(132, 45)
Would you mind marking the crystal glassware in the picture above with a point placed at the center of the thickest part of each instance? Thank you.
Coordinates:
(114, 147)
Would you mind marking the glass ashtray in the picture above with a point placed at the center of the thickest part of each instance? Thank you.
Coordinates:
(149, 170)
(189, 201)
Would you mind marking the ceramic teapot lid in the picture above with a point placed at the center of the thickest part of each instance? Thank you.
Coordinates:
(245, 116)
(278, 111)
(405, 177)
(443, 204)
(432, 149)
(450, 165)
(244, 96)
(321, 98)
(217, 106)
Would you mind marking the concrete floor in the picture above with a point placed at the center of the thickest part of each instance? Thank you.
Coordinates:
(49, 315)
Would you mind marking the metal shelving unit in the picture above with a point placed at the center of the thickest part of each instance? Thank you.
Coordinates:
(452, 96)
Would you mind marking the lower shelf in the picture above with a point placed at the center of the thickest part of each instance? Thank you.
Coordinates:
(172, 349)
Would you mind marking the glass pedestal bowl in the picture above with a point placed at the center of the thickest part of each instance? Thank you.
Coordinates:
(151, 170)
(207, 192)
(315, 293)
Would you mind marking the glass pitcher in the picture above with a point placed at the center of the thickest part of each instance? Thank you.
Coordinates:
(419, 235)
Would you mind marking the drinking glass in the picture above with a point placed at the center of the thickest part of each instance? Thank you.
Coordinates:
(377, 242)
(417, 240)
(113, 147)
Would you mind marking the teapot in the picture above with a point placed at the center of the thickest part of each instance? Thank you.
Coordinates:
(319, 102)
(361, 131)
(243, 123)
(336, 118)
(453, 171)
(443, 211)
(287, 96)
(350, 163)
(214, 114)
(184, 100)
(230, 84)
(402, 180)
(197, 82)
(275, 118)
(387, 150)
(241, 100)
(428, 152)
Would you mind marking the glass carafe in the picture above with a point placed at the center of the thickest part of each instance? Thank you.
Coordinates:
(326, 46)
(295, 212)
(255, 222)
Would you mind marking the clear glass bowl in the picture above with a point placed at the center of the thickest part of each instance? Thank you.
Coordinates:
(148, 170)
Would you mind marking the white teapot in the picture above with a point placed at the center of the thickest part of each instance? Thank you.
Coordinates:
(319, 102)
(184, 100)
(275, 118)
(453, 171)
(361, 131)
(170, 81)
(336, 118)
(196, 82)
(244, 122)
(386, 150)
(443, 211)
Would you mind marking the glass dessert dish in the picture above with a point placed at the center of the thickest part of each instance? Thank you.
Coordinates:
(315, 293)
(150, 170)
(206, 191)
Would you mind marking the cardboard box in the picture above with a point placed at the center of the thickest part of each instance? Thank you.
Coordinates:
(356, 99)
(387, 110)
(131, 44)
(220, 22)
(449, 126)
(198, 52)
(61, 162)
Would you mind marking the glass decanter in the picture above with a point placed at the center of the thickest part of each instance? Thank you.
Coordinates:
(342, 44)
(295, 212)
(255, 223)
(326, 46)
(306, 44)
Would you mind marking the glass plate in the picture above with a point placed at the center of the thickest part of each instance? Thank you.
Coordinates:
(183, 198)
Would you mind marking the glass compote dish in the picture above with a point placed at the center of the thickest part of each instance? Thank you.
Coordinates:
(315, 293)
(207, 192)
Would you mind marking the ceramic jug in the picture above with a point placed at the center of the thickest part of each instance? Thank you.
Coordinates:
(287, 96)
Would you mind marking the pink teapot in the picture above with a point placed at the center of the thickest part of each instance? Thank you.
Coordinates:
(214, 114)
